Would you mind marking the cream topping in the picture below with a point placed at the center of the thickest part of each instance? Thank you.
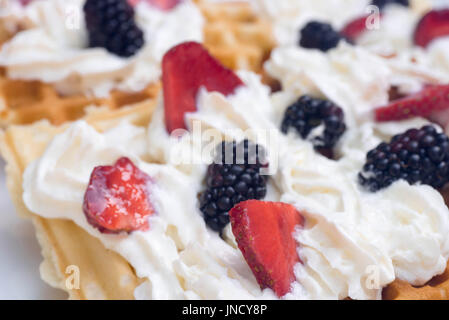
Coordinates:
(353, 242)
(167, 254)
(53, 48)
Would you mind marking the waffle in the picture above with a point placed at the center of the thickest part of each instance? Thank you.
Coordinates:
(236, 35)
(24, 102)
(436, 289)
(233, 34)
(4, 34)
(103, 273)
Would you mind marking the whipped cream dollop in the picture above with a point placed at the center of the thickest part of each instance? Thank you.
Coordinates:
(289, 16)
(394, 33)
(394, 38)
(53, 48)
(351, 76)
(247, 112)
(11, 15)
(353, 242)
(391, 37)
(179, 256)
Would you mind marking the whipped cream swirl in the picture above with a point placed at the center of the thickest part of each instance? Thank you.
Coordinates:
(353, 243)
(53, 48)
(393, 39)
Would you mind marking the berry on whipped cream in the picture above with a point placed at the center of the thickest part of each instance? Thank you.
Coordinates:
(382, 3)
(355, 28)
(401, 231)
(117, 198)
(319, 35)
(432, 25)
(264, 234)
(309, 113)
(186, 68)
(329, 193)
(161, 4)
(390, 32)
(427, 103)
(233, 178)
(111, 25)
(417, 156)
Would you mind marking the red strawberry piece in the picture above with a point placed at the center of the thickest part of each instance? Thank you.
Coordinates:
(432, 99)
(432, 25)
(165, 5)
(133, 3)
(117, 198)
(355, 28)
(185, 69)
(264, 234)
(25, 2)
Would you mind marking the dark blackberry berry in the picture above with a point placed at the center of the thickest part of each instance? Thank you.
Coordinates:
(111, 26)
(232, 178)
(319, 35)
(382, 3)
(309, 113)
(417, 156)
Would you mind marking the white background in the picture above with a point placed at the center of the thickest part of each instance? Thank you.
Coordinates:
(19, 254)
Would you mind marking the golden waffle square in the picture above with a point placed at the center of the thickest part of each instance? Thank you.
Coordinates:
(236, 35)
(23, 102)
(435, 289)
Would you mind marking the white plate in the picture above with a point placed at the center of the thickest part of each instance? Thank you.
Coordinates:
(19, 255)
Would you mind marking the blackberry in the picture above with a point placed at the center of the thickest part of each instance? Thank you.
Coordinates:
(319, 35)
(232, 178)
(417, 156)
(111, 25)
(309, 113)
(382, 3)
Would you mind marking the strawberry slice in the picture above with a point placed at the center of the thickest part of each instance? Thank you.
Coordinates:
(185, 69)
(264, 234)
(432, 99)
(133, 3)
(117, 198)
(432, 25)
(355, 28)
(165, 5)
(25, 2)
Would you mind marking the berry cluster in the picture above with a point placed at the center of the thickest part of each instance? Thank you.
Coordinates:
(308, 113)
(382, 3)
(233, 177)
(417, 156)
(111, 25)
(319, 35)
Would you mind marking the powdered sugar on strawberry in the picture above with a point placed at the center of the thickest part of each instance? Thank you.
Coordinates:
(118, 197)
